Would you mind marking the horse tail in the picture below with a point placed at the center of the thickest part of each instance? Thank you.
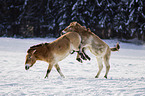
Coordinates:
(116, 48)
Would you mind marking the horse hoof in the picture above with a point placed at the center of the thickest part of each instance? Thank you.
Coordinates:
(78, 59)
(105, 77)
(46, 77)
(83, 57)
(96, 76)
(72, 52)
(89, 58)
(63, 76)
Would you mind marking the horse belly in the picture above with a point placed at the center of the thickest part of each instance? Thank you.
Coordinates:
(62, 51)
(60, 57)
(98, 51)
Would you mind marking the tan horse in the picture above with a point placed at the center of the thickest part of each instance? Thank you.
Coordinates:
(53, 52)
(91, 41)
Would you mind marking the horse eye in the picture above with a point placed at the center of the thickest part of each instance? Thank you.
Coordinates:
(29, 57)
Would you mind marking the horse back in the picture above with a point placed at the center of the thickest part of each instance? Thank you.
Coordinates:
(64, 43)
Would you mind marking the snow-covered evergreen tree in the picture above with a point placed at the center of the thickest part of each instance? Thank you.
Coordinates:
(106, 18)
(9, 12)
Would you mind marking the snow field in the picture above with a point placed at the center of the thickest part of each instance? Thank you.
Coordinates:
(126, 76)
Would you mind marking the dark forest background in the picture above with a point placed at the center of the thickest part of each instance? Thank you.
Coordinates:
(124, 19)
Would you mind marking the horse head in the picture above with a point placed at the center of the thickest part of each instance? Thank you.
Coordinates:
(30, 59)
(70, 28)
(74, 27)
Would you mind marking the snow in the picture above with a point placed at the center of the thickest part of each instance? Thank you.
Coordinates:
(120, 27)
(132, 2)
(143, 15)
(74, 6)
(99, 3)
(102, 21)
(82, 2)
(131, 14)
(25, 3)
(61, 23)
(126, 76)
(132, 31)
(130, 17)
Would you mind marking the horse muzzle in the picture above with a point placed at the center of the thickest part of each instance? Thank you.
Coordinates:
(27, 66)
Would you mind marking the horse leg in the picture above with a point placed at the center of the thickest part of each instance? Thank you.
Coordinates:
(81, 53)
(78, 55)
(83, 50)
(106, 61)
(78, 58)
(73, 52)
(48, 70)
(100, 65)
(58, 70)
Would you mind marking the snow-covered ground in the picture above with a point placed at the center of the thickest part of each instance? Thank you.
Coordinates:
(126, 76)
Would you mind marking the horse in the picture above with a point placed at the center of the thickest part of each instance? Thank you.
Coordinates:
(53, 52)
(92, 42)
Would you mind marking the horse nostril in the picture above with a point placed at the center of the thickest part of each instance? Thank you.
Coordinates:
(27, 67)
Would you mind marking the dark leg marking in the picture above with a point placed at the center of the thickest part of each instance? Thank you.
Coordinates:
(78, 59)
(82, 55)
(96, 76)
(59, 71)
(48, 71)
(86, 54)
(105, 76)
(73, 52)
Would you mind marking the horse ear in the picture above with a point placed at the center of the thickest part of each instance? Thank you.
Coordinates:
(33, 51)
(88, 29)
(75, 23)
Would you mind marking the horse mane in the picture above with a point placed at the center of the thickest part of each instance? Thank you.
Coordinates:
(80, 29)
(83, 28)
(74, 24)
(36, 46)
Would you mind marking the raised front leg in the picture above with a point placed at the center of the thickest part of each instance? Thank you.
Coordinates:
(58, 70)
(49, 70)
(80, 54)
(78, 58)
(73, 52)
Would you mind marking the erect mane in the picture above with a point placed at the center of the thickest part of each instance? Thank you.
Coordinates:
(74, 24)
(79, 28)
(36, 46)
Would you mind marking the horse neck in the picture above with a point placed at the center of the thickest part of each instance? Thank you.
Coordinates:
(41, 53)
(82, 31)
